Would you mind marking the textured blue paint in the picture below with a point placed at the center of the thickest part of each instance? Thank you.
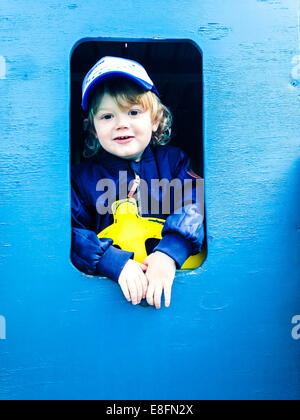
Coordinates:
(228, 332)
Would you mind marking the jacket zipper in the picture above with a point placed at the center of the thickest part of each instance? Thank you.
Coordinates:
(136, 189)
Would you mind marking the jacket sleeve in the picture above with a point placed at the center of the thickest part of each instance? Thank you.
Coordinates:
(183, 233)
(90, 254)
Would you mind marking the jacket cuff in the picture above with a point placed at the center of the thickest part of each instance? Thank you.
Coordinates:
(176, 247)
(112, 262)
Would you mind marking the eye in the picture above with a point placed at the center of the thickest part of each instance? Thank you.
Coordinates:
(106, 117)
(134, 112)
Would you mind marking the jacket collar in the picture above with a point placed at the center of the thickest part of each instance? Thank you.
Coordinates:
(114, 162)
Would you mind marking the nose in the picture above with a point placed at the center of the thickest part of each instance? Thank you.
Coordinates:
(122, 121)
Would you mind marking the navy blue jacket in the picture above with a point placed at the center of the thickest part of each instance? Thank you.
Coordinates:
(183, 232)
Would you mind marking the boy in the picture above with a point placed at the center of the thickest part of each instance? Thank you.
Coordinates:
(130, 127)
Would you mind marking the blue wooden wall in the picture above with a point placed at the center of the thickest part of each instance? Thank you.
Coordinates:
(227, 334)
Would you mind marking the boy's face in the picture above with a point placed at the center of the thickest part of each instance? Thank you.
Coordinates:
(123, 132)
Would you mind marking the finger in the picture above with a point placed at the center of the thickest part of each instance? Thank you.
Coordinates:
(125, 290)
(149, 295)
(139, 288)
(144, 284)
(167, 293)
(146, 261)
(157, 297)
(143, 267)
(133, 291)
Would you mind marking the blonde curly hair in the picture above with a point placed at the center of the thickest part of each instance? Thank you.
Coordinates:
(127, 93)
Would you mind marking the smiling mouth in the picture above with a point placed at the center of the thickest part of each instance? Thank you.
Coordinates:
(124, 139)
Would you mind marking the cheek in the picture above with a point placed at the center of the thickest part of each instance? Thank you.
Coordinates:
(100, 131)
(145, 132)
(146, 128)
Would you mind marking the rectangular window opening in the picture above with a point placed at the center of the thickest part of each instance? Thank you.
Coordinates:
(176, 68)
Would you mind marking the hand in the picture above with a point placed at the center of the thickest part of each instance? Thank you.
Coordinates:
(133, 282)
(160, 275)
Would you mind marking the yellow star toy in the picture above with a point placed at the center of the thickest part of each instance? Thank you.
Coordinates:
(130, 232)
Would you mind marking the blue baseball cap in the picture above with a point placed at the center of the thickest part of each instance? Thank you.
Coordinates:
(109, 67)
